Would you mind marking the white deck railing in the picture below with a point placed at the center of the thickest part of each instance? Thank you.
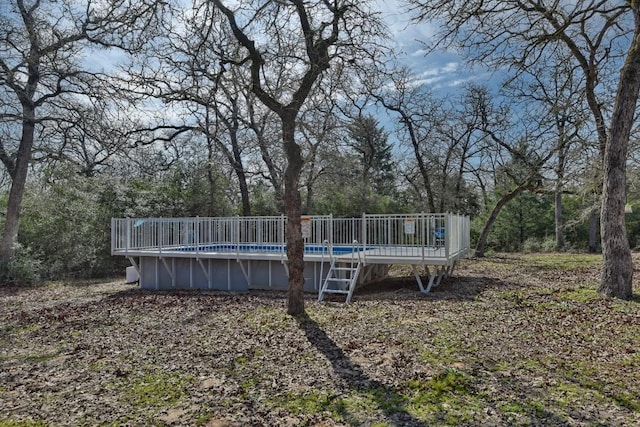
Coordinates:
(405, 235)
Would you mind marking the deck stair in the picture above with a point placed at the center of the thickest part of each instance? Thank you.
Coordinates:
(342, 277)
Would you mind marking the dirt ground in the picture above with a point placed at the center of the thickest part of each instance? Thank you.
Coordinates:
(508, 340)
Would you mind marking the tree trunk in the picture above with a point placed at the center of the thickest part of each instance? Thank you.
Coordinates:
(244, 190)
(424, 172)
(308, 204)
(617, 267)
(292, 205)
(211, 179)
(19, 180)
(521, 235)
(484, 235)
(593, 231)
(422, 166)
(559, 219)
(318, 61)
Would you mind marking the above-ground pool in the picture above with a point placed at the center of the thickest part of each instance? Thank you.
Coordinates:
(308, 249)
(242, 253)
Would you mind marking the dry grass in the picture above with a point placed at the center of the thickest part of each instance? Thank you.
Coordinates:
(510, 340)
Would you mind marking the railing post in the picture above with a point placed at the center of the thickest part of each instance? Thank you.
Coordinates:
(113, 234)
(196, 236)
(159, 235)
(283, 240)
(389, 239)
(468, 233)
(364, 237)
(237, 237)
(447, 234)
(423, 223)
(128, 236)
(330, 237)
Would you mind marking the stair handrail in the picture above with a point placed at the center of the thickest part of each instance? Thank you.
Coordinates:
(327, 244)
(355, 244)
(354, 274)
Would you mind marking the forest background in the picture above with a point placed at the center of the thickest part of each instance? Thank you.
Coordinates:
(143, 109)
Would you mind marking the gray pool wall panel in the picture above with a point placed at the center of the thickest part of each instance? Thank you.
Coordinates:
(223, 274)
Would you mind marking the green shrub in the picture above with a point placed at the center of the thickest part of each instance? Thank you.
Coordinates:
(532, 244)
(549, 244)
(23, 269)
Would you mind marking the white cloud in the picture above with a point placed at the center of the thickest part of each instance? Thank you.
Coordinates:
(406, 35)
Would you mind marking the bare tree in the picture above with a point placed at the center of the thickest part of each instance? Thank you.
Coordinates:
(182, 70)
(260, 121)
(461, 146)
(320, 130)
(519, 33)
(89, 135)
(300, 40)
(40, 46)
(556, 87)
(617, 269)
(416, 108)
(523, 146)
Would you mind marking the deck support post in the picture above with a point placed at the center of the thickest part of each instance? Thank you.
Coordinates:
(449, 270)
(135, 264)
(246, 272)
(205, 271)
(419, 280)
(440, 271)
(210, 277)
(434, 278)
(368, 269)
(169, 270)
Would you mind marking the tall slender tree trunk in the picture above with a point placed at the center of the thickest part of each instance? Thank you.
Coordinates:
(211, 179)
(424, 172)
(292, 203)
(18, 182)
(617, 269)
(481, 246)
(559, 219)
(593, 231)
(317, 49)
(238, 167)
(422, 166)
(244, 190)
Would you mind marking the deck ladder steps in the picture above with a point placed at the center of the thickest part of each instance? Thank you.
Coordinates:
(341, 280)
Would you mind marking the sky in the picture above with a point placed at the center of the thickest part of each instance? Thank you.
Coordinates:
(443, 71)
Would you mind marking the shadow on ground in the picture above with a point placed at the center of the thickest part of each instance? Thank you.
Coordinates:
(462, 288)
(388, 400)
(391, 289)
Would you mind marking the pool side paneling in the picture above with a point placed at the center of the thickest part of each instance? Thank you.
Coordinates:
(223, 274)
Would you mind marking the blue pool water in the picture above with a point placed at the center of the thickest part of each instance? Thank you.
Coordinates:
(308, 249)
(250, 248)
